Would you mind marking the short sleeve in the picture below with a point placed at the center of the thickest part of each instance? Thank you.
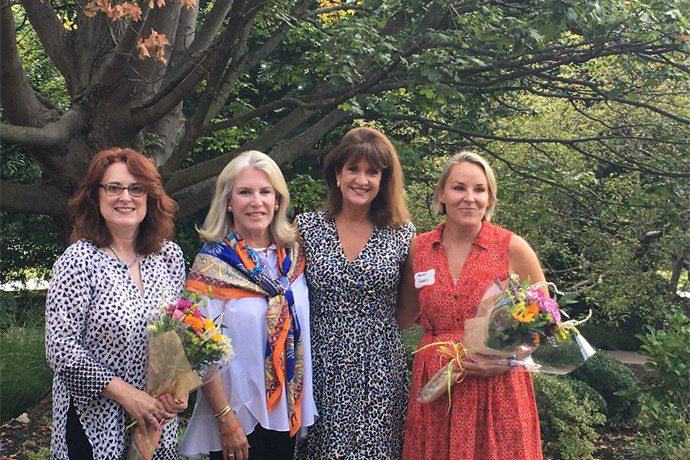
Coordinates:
(67, 305)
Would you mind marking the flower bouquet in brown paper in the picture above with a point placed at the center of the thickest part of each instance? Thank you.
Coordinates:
(186, 350)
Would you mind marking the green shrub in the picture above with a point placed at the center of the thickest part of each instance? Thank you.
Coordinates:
(664, 419)
(582, 390)
(566, 419)
(615, 382)
(606, 337)
(24, 372)
(668, 353)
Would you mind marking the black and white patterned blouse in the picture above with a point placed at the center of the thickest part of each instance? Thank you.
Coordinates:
(96, 324)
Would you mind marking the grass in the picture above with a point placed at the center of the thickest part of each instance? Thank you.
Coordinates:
(24, 373)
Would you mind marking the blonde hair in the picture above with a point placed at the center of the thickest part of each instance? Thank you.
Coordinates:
(466, 157)
(219, 220)
(388, 208)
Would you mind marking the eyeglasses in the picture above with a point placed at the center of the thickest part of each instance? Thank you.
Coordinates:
(134, 190)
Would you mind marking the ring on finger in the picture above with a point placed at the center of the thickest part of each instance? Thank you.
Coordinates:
(177, 401)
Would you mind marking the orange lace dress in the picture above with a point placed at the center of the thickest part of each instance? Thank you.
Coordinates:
(490, 417)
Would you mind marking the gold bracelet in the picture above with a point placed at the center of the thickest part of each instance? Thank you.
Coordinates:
(223, 412)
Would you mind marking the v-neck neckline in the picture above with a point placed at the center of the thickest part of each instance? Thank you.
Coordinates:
(342, 249)
(141, 295)
(446, 265)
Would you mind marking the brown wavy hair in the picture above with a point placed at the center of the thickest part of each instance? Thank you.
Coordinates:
(89, 224)
(388, 208)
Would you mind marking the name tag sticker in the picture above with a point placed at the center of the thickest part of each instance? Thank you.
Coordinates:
(422, 279)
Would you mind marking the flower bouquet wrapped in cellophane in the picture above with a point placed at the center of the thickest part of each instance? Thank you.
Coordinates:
(186, 351)
(518, 325)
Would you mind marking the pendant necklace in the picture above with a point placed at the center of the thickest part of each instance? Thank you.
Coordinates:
(117, 256)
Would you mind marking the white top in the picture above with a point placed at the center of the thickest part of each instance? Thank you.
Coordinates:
(243, 378)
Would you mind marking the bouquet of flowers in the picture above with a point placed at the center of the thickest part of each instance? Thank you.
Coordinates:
(518, 326)
(186, 351)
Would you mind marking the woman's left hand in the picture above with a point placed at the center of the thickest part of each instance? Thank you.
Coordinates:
(174, 405)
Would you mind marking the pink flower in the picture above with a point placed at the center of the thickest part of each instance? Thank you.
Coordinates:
(197, 313)
(171, 308)
(178, 314)
(184, 304)
(548, 305)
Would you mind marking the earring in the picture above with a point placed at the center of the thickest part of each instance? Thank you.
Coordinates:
(277, 207)
(229, 208)
(337, 183)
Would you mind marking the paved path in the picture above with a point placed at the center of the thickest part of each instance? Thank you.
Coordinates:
(627, 357)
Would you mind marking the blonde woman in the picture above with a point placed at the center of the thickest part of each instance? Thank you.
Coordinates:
(253, 268)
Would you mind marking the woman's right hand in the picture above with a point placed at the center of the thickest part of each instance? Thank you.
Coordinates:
(141, 406)
(235, 445)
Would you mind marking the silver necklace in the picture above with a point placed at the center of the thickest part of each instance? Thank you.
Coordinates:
(117, 256)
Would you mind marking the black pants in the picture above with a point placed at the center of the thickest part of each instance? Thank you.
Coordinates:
(267, 445)
(78, 445)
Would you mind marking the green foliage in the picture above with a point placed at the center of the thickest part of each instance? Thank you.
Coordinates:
(614, 382)
(8, 310)
(664, 430)
(24, 373)
(29, 243)
(668, 353)
(567, 417)
(665, 401)
(306, 193)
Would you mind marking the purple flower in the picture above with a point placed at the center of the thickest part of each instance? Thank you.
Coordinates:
(171, 308)
(197, 313)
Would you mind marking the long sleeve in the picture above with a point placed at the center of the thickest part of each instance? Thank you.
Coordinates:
(67, 305)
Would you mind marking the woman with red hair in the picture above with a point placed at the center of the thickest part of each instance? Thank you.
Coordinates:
(105, 288)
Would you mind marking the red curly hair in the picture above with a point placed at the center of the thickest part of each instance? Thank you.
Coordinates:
(156, 227)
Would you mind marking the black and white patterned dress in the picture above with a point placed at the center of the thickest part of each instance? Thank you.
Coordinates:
(96, 330)
(360, 386)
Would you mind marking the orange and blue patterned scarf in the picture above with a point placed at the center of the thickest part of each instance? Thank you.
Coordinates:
(232, 269)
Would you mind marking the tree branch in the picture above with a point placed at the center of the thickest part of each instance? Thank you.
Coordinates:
(51, 135)
(32, 199)
(195, 197)
(197, 173)
(306, 140)
(217, 55)
(52, 35)
(19, 101)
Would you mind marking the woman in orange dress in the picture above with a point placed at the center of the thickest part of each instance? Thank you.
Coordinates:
(492, 414)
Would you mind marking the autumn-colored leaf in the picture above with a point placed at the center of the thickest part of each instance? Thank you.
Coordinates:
(143, 50)
(685, 37)
(189, 3)
(132, 10)
(153, 46)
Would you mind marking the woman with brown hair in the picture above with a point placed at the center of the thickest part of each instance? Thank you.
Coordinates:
(105, 288)
(355, 251)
